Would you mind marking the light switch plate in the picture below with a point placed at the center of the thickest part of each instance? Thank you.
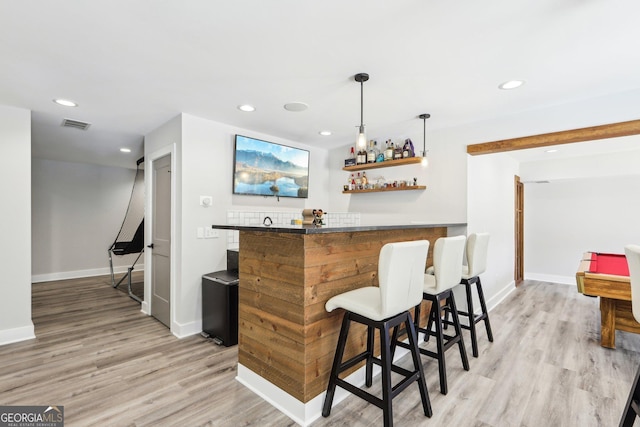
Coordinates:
(206, 201)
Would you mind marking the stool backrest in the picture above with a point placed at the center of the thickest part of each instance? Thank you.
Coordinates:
(633, 259)
(477, 247)
(401, 274)
(447, 259)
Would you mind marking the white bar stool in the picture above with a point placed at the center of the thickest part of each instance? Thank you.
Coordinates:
(632, 408)
(438, 288)
(400, 275)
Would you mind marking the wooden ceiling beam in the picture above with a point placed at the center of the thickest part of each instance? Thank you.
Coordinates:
(612, 130)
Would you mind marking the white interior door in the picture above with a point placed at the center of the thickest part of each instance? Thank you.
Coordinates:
(161, 241)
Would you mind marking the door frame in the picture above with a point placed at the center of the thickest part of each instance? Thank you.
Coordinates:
(519, 230)
(148, 227)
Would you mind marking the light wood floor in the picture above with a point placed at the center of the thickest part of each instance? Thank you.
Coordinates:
(110, 365)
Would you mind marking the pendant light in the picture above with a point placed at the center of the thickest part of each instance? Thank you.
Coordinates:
(425, 161)
(361, 141)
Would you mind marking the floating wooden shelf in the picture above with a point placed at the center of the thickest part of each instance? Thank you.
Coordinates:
(378, 190)
(388, 163)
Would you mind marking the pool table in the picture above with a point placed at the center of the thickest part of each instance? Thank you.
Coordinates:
(607, 276)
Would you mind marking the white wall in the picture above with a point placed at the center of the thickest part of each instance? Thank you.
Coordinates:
(491, 209)
(15, 227)
(205, 167)
(78, 209)
(590, 204)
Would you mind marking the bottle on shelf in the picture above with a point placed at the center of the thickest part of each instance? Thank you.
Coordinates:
(388, 152)
(406, 150)
(371, 154)
(379, 154)
(358, 182)
(362, 156)
(409, 144)
(397, 152)
(352, 155)
(350, 182)
(365, 181)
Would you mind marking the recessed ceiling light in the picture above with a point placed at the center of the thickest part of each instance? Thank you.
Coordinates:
(553, 150)
(325, 132)
(246, 108)
(65, 102)
(295, 106)
(125, 150)
(511, 84)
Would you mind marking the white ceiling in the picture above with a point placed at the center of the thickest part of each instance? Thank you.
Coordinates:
(131, 65)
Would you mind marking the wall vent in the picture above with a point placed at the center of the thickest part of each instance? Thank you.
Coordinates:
(76, 124)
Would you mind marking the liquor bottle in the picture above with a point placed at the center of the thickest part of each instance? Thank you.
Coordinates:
(397, 152)
(379, 154)
(406, 150)
(358, 182)
(388, 152)
(365, 181)
(352, 155)
(353, 183)
(409, 144)
(361, 157)
(371, 154)
(350, 182)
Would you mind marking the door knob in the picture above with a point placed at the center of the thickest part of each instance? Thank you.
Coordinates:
(150, 246)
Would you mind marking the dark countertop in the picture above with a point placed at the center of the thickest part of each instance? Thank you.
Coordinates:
(325, 229)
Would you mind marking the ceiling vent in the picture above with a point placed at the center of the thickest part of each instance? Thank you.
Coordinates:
(69, 123)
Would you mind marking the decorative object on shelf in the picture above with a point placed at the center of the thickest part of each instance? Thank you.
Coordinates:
(312, 217)
(361, 141)
(424, 117)
(407, 149)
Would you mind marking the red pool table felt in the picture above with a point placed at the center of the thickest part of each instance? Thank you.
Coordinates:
(609, 264)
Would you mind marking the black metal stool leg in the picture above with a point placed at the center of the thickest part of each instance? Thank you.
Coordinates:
(485, 313)
(417, 363)
(337, 360)
(369, 365)
(632, 409)
(458, 329)
(385, 358)
(436, 315)
(472, 319)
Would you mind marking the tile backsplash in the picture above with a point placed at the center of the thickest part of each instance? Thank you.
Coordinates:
(280, 218)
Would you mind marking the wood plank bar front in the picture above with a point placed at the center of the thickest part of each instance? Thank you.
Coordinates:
(285, 334)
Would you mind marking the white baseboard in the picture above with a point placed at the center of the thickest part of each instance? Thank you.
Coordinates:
(303, 413)
(499, 297)
(565, 280)
(64, 275)
(22, 333)
(183, 330)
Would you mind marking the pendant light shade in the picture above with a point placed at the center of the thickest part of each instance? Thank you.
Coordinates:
(361, 140)
(424, 117)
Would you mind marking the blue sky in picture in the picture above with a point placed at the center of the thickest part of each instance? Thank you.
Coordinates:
(294, 155)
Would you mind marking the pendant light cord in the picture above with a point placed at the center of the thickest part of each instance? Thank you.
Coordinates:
(361, 104)
(424, 118)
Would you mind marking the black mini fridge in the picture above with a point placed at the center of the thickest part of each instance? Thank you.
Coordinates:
(220, 306)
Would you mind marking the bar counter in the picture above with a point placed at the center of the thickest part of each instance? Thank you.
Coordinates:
(287, 273)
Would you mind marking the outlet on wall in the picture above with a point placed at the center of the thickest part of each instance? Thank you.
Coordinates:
(210, 233)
